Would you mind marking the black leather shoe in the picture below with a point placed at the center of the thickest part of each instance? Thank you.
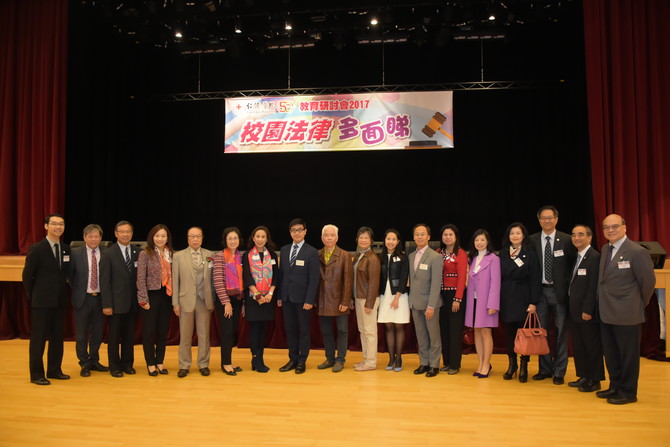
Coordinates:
(153, 373)
(162, 370)
(85, 371)
(59, 376)
(604, 394)
(233, 372)
(41, 381)
(238, 369)
(542, 376)
(559, 381)
(300, 368)
(204, 371)
(589, 387)
(422, 369)
(577, 383)
(325, 365)
(289, 366)
(130, 370)
(98, 367)
(182, 373)
(432, 372)
(621, 400)
(116, 373)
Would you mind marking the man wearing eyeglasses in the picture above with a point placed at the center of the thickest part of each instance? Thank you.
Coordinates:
(45, 281)
(627, 281)
(557, 255)
(299, 276)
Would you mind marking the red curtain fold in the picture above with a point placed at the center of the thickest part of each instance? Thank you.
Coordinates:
(627, 69)
(33, 73)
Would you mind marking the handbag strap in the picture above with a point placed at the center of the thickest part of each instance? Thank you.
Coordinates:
(532, 321)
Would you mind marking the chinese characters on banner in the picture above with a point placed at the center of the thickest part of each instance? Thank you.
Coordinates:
(339, 122)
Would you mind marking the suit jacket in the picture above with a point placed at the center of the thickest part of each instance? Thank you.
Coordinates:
(626, 285)
(584, 287)
(426, 282)
(299, 283)
(78, 273)
(44, 280)
(117, 284)
(184, 291)
(563, 263)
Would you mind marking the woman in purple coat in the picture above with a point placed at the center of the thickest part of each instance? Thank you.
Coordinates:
(483, 298)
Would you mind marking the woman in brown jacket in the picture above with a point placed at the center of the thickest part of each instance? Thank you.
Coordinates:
(335, 292)
(367, 269)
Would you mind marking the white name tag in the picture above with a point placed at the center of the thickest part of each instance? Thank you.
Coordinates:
(272, 261)
(624, 264)
(518, 262)
(66, 258)
(477, 269)
(396, 259)
(558, 253)
(300, 262)
(423, 266)
(135, 264)
(581, 272)
(211, 265)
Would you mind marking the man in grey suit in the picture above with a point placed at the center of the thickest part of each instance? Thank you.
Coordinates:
(87, 300)
(192, 300)
(425, 280)
(627, 281)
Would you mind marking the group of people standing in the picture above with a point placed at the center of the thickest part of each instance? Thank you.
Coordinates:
(559, 276)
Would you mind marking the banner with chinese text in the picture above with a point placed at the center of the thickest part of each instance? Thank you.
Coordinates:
(362, 121)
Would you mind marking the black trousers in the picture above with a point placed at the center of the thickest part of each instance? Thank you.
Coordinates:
(621, 345)
(342, 324)
(88, 323)
(257, 337)
(156, 326)
(228, 327)
(451, 330)
(587, 349)
(122, 333)
(296, 321)
(46, 324)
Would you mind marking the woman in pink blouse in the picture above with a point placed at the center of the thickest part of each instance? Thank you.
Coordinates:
(154, 292)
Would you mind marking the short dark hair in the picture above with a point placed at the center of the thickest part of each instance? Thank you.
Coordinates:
(122, 223)
(269, 244)
(453, 228)
(506, 243)
(548, 207)
(225, 234)
(368, 230)
(297, 221)
(489, 245)
(421, 225)
(589, 232)
(48, 218)
(91, 228)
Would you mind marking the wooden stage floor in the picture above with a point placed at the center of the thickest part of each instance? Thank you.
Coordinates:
(319, 408)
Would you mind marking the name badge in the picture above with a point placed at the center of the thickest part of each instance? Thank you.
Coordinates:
(518, 262)
(210, 265)
(477, 269)
(396, 259)
(558, 253)
(135, 264)
(581, 272)
(66, 258)
(272, 261)
(300, 262)
(624, 264)
(423, 266)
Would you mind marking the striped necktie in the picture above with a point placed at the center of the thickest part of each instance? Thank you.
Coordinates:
(128, 263)
(294, 254)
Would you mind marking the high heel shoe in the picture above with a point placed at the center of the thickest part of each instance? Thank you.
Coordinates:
(484, 376)
(397, 365)
(153, 373)
(511, 370)
(391, 364)
(523, 369)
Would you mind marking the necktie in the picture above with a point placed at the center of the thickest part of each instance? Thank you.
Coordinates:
(94, 273)
(128, 264)
(57, 253)
(574, 271)
(417, 260)
(609, 256)
(548, 261)
(294, 254)
(196, 258)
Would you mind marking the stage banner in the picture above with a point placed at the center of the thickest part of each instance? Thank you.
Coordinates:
(366, 121)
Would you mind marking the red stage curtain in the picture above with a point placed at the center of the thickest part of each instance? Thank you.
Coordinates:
(628, 70)
(33, 70)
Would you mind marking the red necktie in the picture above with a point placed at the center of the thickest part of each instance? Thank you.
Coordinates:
(94, 273)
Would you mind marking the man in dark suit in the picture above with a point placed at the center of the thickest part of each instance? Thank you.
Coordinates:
(584, 322)
(86, 300)
(299, 275)
(557, 255)
(627, 281)
(45, 281)
(118, 275)
(425, 283)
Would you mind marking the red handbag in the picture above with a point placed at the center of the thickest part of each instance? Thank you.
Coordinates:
(531, 339)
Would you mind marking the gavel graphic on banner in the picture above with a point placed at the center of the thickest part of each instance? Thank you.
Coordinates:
(435, 124)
